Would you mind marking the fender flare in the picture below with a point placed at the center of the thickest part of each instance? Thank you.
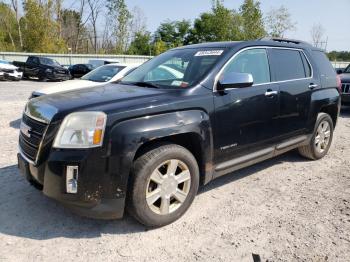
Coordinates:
(126, 137)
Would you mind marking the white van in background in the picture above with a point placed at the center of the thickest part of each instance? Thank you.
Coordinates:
(100, 62)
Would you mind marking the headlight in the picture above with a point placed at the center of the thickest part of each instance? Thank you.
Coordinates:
(81, 130)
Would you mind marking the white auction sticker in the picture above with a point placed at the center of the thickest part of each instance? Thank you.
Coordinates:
(209, 53)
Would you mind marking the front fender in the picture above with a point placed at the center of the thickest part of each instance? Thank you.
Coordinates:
(126, 137)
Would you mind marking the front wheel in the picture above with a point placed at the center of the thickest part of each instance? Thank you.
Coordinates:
(321, 139)
(165, 182)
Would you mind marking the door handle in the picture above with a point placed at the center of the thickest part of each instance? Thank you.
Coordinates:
(312, 86)
(270, 93)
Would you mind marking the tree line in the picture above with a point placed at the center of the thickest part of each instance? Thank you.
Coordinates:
(110, 27)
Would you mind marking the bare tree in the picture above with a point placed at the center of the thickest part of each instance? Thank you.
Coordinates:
(138, 22)
(279, 22)
(95, 8)
(317, 33)
(58, 13)
(81, 24)
(16, 9)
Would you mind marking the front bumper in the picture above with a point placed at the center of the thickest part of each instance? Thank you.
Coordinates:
(12, 76)
(98, 194)
(345, 99)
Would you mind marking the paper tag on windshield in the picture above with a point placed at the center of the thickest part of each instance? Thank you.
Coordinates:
(209, 53)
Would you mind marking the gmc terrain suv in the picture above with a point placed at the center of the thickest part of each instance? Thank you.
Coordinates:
(145, 144)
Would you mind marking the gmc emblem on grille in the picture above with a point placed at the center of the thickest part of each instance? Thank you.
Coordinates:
(25, 129)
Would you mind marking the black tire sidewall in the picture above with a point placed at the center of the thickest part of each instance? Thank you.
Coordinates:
(322, 117)
(141, 175)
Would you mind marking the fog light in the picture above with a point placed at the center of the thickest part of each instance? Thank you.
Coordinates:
(72, 179)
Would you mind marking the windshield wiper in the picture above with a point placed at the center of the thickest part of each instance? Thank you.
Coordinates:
(142, 84)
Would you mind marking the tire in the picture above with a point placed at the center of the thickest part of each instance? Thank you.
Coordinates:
(312, 150)
(166, 207)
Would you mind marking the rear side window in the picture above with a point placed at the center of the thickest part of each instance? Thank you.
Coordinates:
(323, 63)
(287, 64)
(252, 61)
(307, 66)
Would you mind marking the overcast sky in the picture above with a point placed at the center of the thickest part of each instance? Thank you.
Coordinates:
(333, 15)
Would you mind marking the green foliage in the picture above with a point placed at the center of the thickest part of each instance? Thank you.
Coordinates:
(119, 13)
(141, 45)
(252, 20)
(221, 24)
(339, 56)
(159, 47)
(173, 33)
(40, 31)
(8, 33)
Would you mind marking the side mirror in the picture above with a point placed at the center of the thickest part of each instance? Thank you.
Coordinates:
(235, 80)
(339, 71)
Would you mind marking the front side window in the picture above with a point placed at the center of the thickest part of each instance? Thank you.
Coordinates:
(48, 61)
(287, 64)
(182, 68)
(252, 61)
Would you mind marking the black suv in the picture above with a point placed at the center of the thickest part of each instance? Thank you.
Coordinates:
(345, 80)
(147, 142)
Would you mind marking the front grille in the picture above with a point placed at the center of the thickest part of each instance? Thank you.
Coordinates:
(9, 71)
(30, 145)
(345, 88)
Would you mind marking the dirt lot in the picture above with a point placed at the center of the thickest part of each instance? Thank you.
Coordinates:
(284, 209)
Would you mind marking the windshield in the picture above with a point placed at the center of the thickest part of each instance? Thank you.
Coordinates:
(347, 70)
(175, 69)
(4, 62)
(49, 62)
(103, 73)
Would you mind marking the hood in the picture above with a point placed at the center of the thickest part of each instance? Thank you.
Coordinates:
(8, 66)
(69, 85)
(110, 98)
(345, 78)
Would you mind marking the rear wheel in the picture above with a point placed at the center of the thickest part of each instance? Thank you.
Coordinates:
(321, 139)
(165, 182)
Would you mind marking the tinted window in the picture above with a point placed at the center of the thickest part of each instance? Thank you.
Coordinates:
(323, 63)
(252, 61)
(33, 60)
(307, 66)
(287, 64)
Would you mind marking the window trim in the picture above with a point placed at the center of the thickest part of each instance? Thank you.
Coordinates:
(268, 83)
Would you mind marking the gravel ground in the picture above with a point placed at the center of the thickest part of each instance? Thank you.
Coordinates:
(284, 209)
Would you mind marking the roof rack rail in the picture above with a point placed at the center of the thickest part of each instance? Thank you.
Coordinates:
(285, 40)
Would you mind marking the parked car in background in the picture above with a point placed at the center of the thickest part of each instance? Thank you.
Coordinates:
(43, 68)
(345, 86)
(147, 145)
(9, 71)
(99, 76)
(78, 70)
(339, 70)
(100, 62)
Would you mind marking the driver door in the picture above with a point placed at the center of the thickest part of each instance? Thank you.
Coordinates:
(246, 118)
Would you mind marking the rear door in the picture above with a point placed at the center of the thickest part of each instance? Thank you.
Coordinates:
(245, 118)
(292, 71)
